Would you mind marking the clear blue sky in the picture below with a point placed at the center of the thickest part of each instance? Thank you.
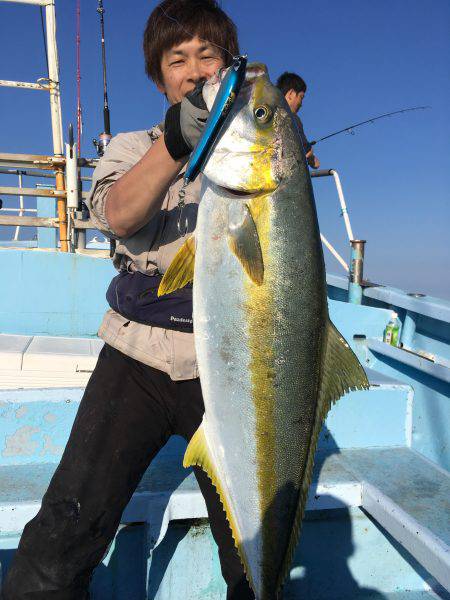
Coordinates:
(360, 58)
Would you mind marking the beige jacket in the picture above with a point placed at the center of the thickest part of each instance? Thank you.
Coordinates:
(149, 250)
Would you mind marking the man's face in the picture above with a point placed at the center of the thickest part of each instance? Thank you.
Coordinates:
(295, 100)
(183, 66)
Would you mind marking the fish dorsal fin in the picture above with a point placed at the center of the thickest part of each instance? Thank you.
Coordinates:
(243, 241)
(198, 454)
(181, 269)
(341, 372)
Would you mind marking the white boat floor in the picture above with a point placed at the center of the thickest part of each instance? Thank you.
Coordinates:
(46, 361)
(53, 362)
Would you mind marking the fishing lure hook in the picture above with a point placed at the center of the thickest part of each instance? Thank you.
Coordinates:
(182, 230)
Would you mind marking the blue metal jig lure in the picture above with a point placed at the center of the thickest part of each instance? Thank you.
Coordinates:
(228, 91)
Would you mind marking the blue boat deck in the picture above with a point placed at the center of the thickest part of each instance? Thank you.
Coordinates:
(377, 522)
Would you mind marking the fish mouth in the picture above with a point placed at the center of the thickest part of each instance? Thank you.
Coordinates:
(235, 193)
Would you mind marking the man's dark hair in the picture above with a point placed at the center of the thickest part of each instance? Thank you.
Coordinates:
(290, 81)
(175, 21)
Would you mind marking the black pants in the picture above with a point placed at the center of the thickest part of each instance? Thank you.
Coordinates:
(128, 412)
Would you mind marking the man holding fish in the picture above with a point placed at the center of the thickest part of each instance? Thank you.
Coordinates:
(270, 361)
(145, 386)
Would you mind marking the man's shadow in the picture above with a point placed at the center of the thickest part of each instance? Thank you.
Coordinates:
(123, 573)
(319, 571)
(326, 534)
(320, 568)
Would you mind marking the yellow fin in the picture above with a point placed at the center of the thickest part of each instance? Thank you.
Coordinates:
(244, 241)
(198, 454)
(341, 372)
(181, 269)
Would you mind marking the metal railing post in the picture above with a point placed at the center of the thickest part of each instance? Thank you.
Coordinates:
(53, 74)
(55, 111)
(62, 210)
(356, 271)
(344, 210)
(21, 209)
(344, 213)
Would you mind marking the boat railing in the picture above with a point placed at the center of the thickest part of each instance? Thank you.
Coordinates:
(66, 170)
(65, 166)
(50, 84)
(356, 267)
(66, 173)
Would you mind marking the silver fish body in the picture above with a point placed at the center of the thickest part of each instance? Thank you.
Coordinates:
(270, 360)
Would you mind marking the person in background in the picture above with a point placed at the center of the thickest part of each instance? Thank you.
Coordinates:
(294, 89)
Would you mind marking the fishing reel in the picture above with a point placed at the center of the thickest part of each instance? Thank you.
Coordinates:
(102, 142)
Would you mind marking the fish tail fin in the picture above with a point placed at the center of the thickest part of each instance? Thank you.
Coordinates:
(198, 454)
(341, 372)
(181, 269)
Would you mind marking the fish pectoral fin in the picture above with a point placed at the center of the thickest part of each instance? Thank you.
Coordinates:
(243, 241)
(198, 454)
(181, 269)
(341, 372)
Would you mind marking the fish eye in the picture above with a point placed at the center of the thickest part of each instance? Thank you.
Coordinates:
(263, 113)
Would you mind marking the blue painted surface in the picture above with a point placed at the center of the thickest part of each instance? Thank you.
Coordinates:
(46, 207)
(433, 336)
(435, 308)
(361, 561)
(74, 300)
(117, 577)
(408, 329)
(430, 411)
(430, 418)
(353, 319)
(358, 420)
(355, 293)
(420, 363)
(35, 424)
(175, 571)
(18, 244)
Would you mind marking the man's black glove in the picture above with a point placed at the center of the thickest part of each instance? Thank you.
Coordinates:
(185, 122)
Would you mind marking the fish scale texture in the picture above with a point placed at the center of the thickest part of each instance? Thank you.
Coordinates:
(270, 361)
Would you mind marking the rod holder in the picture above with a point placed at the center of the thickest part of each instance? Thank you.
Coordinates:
(356, 271)
(72, 176)
(80, 234)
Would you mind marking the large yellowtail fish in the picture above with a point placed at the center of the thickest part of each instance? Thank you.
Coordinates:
(270, 360)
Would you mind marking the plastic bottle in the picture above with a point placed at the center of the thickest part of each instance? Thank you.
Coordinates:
(391, 331)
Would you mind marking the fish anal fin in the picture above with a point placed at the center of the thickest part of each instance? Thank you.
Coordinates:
(181, 269)
(243, 241)
(198, 454)
(341, 372)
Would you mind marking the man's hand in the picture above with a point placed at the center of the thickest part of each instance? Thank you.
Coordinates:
(312, 159)
(185, 122)
(138, 195)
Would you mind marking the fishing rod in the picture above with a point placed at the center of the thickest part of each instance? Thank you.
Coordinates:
(78, 77)
(350, 128)
(105, 137)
